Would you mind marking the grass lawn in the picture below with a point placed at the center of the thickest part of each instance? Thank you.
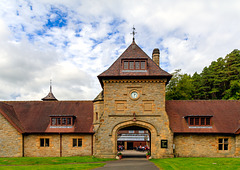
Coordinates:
(198, 163)
(85, 162)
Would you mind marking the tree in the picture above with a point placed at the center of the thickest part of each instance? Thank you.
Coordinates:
(180, 87)
(233, 93)
(220, 80)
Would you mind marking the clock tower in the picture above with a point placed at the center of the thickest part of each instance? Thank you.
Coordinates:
(133, 96)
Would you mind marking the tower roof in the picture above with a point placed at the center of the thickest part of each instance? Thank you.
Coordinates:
(134, 52)
(50, 96)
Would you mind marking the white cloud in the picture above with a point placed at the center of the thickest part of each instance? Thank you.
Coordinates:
(190, 34)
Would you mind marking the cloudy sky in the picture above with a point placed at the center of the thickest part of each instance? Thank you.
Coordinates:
(73, 41)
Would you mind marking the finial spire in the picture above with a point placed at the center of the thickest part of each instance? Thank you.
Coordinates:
(133, 32)
(51, 85)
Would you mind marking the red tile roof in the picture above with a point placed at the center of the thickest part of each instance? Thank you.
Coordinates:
(225, 115)
(8, 112)
(134, 52)
(34, 116)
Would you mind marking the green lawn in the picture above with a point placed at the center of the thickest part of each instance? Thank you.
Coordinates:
(198, 163)
(85, 162)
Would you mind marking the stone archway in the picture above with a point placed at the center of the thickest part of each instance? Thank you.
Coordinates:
(138, 123)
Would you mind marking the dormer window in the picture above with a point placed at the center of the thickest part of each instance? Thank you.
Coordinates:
(134, 64)
(199, 120)
(61, 120)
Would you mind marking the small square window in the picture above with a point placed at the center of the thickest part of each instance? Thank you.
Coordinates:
(44, 142)
(131, 131)
(223, 144)
(77, 142)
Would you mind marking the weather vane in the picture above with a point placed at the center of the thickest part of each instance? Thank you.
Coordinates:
(133, 33)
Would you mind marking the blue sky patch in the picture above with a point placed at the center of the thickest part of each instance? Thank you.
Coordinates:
(15, 95)
(30, 37)
(59, 20)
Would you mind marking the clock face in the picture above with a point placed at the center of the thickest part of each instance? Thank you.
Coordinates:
(134, 94)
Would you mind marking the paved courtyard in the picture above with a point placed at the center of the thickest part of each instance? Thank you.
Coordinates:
(132, 160)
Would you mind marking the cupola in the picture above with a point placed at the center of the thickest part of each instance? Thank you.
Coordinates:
(50, 96)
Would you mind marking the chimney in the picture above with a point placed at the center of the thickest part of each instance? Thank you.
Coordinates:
(155, 56)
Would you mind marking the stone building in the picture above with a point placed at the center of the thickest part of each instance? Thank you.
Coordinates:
(133, 98)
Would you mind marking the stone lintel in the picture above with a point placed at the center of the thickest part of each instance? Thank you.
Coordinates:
(135, 115)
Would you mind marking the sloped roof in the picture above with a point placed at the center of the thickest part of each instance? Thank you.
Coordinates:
(9, 113)
(134, 52)
(35, 115)
(225, 115)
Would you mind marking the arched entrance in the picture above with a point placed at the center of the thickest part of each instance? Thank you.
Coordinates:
(133, 134)
(134, 141)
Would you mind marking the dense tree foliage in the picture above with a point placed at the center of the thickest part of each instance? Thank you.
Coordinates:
(221, 80)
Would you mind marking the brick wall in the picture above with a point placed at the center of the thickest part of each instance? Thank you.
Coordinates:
(10, 140)
(202, 145)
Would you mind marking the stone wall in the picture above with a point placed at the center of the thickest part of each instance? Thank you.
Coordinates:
(10, 140)
(120, 108)
(69, 150)
(32, 145)
(237, 152)
(202, 145)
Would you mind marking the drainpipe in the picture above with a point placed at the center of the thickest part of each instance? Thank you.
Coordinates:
(22, 145)
(92, 144)
(60, 144)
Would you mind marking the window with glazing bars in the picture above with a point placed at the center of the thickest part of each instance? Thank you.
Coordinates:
(134, 65)
(223, 144)
(77, 142)
(44, 142)
(61, 121)
(199, 121)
